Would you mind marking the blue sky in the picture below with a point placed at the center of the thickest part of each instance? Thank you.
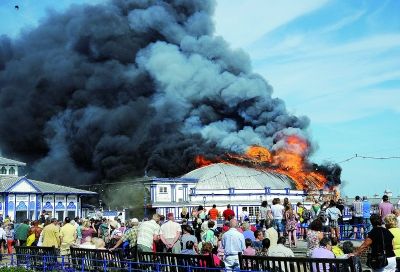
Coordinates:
(337, 62)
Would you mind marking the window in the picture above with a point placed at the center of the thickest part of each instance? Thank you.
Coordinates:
(3, 170)
(11, 171)
(253, 211)
(163, 190)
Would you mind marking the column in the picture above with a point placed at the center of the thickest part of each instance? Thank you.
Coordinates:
(185, 192)
(153, 193)
(173, 192)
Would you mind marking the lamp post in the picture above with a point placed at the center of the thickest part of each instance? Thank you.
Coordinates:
(101, 204)
(204, 201)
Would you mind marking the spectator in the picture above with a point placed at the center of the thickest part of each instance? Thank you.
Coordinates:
(247, 233)
(244, 215)
(336, 248)
(366, 215)
(314, 236)
(213, 213)
(340, 206)
(357, 215)
(36, 230)
(207, 250)
(271, 234)
(391, 225)
(228, 214)
(184, 213)
(67, 237)
(87, 230)
(323, 251)
(265, 214)
(249, 251)
(291, 225)
(375, 242)
(147, 233)
(397, 213)
(264, 248)
(3, 238)
(315, 209)
(385, 207)
(129, 236)
(209, 234)
(333, 214)
(188, 236)
(21, 233)
(202, 213)
(9, 229)
(280, 250)
(259, 237)
(233, 243)
(277, 212)
(170, 233)
(51, 234)
(189, 248)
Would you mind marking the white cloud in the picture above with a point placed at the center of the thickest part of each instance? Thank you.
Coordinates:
(243, 22)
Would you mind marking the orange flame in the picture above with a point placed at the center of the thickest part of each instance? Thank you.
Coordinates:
(288, 160)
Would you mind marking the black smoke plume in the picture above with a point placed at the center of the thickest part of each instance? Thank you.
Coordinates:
(104, 91)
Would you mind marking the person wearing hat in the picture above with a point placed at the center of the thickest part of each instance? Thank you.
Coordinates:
(170, 233)
(51, 234)
(130, 236)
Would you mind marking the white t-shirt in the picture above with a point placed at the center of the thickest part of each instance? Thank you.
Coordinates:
(277, 211)
(169, 229)
(243, 215)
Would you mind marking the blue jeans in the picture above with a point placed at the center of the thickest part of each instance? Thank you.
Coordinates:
(278, 225)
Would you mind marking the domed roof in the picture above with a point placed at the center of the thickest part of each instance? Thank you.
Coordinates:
(224, 176)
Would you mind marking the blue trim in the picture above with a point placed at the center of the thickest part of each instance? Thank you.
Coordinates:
(19, 182)
(246, 194)
(190, 180)
(6, 205)
(21, 206)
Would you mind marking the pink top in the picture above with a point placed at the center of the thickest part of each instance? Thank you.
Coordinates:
(249, 251)
(385, 208)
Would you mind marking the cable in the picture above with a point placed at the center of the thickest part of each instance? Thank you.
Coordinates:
(369, 157)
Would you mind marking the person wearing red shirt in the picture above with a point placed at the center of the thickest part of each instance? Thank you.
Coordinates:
(228, 214)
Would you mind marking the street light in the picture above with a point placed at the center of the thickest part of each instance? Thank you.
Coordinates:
(204, 201)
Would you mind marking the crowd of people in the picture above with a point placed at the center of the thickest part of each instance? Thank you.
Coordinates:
(274, 233)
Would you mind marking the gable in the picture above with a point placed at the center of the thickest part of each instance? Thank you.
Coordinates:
(23, 187)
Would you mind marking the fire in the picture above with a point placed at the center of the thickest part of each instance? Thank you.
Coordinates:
(288, 160)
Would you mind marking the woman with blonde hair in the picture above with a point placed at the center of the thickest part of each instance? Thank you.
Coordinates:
(391, 225)
(88, 230)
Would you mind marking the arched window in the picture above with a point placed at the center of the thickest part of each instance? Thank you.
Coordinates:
(3, 170)
(11, 171)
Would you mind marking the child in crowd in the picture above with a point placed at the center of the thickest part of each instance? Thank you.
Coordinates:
(336, 248)
(249, 251)
(189, 248)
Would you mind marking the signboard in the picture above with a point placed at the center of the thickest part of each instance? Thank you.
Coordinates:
(48, 202)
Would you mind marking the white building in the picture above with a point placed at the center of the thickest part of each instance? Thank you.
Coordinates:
(221, 184)
(22, 198)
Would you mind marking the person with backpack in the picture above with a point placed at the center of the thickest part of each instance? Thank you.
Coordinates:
(333, 214)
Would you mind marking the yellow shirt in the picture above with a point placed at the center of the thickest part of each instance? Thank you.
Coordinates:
(68, 233)
(51, 236)
(396, 240)
(337, 251)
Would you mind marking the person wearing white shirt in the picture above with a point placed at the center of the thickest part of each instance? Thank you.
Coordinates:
(170, 233)
(277, 210)
(280, 250)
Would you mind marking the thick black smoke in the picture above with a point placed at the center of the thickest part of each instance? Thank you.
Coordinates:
(99, 92)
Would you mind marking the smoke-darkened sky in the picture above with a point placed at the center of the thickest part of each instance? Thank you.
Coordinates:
(120, 88)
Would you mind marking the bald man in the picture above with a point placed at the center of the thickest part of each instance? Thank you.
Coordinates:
(233, 243)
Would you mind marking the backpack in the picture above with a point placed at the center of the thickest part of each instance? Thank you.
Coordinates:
(306, 215)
